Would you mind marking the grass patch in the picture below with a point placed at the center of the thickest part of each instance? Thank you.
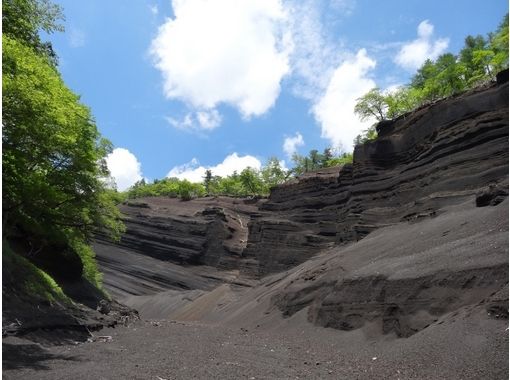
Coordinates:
(88, 258)
(21, 275)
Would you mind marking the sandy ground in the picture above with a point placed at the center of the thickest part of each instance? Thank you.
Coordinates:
(185, 350)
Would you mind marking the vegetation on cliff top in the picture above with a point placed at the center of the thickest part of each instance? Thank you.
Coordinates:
(478, 62)
(250, 182)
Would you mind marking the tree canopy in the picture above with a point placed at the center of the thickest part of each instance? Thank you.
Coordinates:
(53, 155)
(249, 182)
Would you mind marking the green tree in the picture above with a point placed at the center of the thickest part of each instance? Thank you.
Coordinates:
(299, 164)
(327, 155)
(272, 174)
(450, 77)
(402, 100)
(188, 190)
(251, 182)
(475, 59)
(426, 72)
(344, 158)
(22, 20)
(231, 185)
(371, 105)
(54, 169)
(208, 181)
(499, 46)
(53, 156)
(315, 159)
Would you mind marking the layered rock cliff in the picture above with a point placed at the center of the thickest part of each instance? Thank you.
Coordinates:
(175, 244)
(435, 156)
(414, 230)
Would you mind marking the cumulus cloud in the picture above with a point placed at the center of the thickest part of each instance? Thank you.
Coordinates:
(412, 55)
(124, 167)
(314, 54)
(204, 120)
(290, 144)
(334, 111)
(194, 172)
(224, 51)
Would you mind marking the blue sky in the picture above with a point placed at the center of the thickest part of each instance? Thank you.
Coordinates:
(180, 86)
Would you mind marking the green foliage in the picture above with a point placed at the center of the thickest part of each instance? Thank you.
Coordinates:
(316, 160)
(402, 100)
(368, 134)
(447, 79)
(54, 169)
(498, 43)
(21, 274)
(477, 62)
(371, 105)
(475, 59)
(207, 181)
(22, 20)
(273, 174)
(250, 182)
(87, 256)
(170, 187)
(188, 190)
(344, 158)
(53, 155)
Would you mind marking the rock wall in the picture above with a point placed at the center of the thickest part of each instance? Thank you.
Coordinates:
(174, 244)
(441, 154)
(435, 156)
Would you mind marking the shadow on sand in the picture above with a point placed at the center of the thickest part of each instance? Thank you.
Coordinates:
(33, 356)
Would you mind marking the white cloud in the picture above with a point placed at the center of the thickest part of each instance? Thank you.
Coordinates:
(194, 172)
(335, 110)
(186, 123)
(314, 54)
(412, 55)
(204, 120)
(77, 38)
(224, 51)
(208, 119)
(290, 144)
(124, 168)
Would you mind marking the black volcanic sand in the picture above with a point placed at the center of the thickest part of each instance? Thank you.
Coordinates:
(459, 348)
(456, 325)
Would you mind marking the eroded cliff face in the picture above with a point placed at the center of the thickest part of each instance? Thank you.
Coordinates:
(413, 234)
(177, 245)
(438, 155)
(418, 192)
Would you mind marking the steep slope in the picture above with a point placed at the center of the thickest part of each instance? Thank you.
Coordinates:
(399, 280)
